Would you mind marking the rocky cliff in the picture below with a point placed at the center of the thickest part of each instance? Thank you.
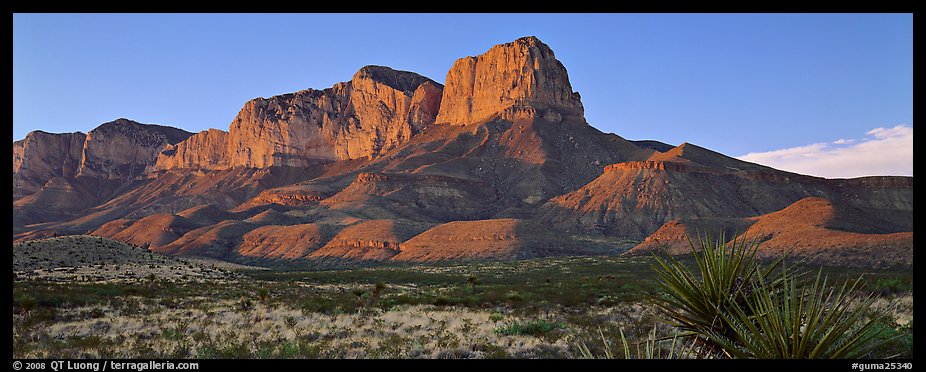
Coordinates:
(119, 150)
(203, 150)
(523, 72)
(42, 156)
(123, 149)
(377, 110)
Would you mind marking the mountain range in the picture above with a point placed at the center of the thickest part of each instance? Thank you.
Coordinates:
(392, 166)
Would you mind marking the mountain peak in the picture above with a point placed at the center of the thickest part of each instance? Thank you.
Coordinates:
(524, 72)
(399, 80)
(526, 41)
(136, 130)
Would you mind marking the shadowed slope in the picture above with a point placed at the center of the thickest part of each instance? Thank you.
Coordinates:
(215, 241)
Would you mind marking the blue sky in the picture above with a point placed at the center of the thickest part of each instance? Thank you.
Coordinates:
(735, 83)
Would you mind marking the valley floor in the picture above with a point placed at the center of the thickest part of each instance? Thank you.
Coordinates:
(544, 308)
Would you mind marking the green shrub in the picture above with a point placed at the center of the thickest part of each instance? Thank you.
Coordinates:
(892, 285)
(245, 304)
(27, 304)
(536, 328)
(898, 340)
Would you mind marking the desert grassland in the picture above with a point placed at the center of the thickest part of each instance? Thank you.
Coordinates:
(540, 308)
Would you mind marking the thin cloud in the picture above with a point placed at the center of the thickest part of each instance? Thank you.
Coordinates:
(883, 152)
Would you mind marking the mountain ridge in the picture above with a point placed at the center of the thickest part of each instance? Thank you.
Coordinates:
(390, 165)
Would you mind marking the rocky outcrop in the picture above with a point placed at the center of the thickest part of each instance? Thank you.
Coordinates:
(123, 149)
(523, 72)
(118, 150)
(156, 230)
(679, 235)
(203, 150)
(42, 156)
(377, 110)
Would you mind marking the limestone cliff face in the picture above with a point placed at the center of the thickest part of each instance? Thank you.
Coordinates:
(390, 106)
(204, 150)
(524, 72)
(42, 156)
(289, 129)
(118, 151)
(123, 149)
(377, 110)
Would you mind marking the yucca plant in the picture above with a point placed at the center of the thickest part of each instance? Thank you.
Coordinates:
(649, 350)
(724, 274)
(735, 307)
(801, 321)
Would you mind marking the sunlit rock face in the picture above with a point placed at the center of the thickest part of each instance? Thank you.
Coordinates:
(524, 72)
(377, 110)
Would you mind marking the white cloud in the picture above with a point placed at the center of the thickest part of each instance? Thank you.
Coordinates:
(883, 152)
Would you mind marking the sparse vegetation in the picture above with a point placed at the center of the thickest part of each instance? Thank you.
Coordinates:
(544, 308)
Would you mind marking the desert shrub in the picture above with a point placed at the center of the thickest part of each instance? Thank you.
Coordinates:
(735, 307)
(892, 285)
(898, 339)
(697, 298)
(536, 328)
(27, 304)
(492, 351)
(245, 304)
(513, 297)
(472, 281)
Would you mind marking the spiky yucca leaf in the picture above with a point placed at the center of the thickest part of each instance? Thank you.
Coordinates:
(650, 350)
(802, 321)
(724, 274)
